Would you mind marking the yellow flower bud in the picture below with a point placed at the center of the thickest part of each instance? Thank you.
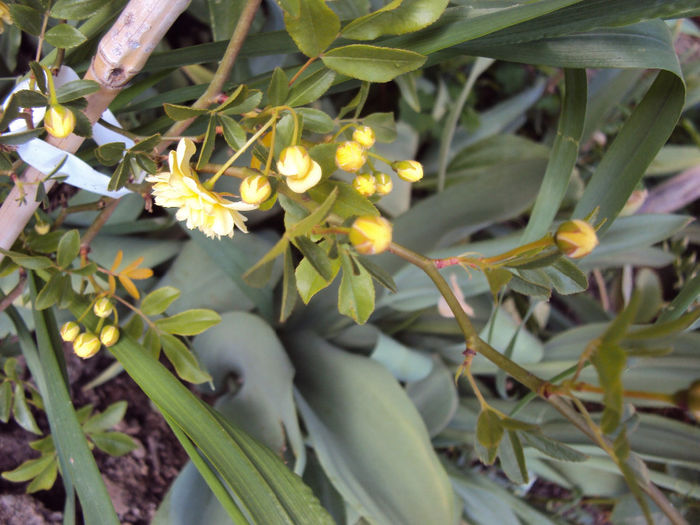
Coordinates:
(364, 136)
(408, 170)
(576, 238)
(59, 121)
(103, 307)
(42, 228)
(294, 161)
(255, 189)
(350, 156)
(365, 185)
(309, 180)
(109, 335)
(86, 345)
(69, 331)
(370, 235)
(384, 183)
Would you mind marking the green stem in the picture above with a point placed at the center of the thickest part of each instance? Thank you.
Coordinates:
(53, 101)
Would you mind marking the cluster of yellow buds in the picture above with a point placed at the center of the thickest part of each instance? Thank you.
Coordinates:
(87, 344)
(301, 171)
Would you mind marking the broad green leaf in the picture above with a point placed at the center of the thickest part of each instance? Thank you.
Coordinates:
(208, 144)
(183, 360)
(26, 18)
(383, 124)
(159, 300)
(75, 9)
(76, 89)
(372, 63)
(278, 88)
(177, 112)
(512, 458)
(223, 17)
(189, 322)
(234, 134)
(562, 160)
(21, 412)
(111, 153)
(105, 420)
(45, 479)
(152, 342)
(687, 295)
(64, 36)
(367, 463)
(497, 279)
(14, 139)
(313, 28)
(68, 248)
(51, 292)
(309, 282)
(316, 120)
(28, 261)
(246, 345)
(489, 429)
(29, 469)
(396, 18)
(113, 443)
(435, 397)
(316, 255)
(378, 273)
(310, 88)
(348, 204)
(356, 293)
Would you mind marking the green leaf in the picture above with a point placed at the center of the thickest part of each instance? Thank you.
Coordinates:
(112, 415)
(5, 401)
(372, 63)
(134, 327)
(28, 98)
(378, 273)
(183, 360)
(21, 412)
(234, 134)
(114, 443)
(309, 282)
(356, 293)
(316, 120)
(15, 139)
(51, 292)
(75, 89)
(396, 18)
(29, 469)
(278, 88)
(552, 448)
(177, 112)
(313, 28)
(609, 361)
(512, 457)
(76, 9)
(151, 341)
(316, 255)
(562, 159)
(121, 174)
(111, 153)
(147, 144)
(26, 18)
(497, 279)
(46, 478)
(189, 322)
(310, 87)
(64, 36)
(158, 300)
(68, 248)
(348, 204)
(489, 430)
(360, 459)
(208, 144)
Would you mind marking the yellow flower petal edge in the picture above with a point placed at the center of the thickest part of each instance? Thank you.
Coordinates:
(306, 182)
(199, 207)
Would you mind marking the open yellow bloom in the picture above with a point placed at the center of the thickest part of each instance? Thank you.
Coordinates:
(5, 17)
(201, 208)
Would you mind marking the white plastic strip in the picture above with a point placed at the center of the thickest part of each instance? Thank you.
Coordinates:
(46, 158)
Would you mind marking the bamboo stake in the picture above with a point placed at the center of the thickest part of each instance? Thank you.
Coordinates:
(122, 53)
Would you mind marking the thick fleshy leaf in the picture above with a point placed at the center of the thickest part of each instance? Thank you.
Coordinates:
(372, 63)
(385, 468)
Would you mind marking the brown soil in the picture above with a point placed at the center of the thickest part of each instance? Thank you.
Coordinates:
(137, 482)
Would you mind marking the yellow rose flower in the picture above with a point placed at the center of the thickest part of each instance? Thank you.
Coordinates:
(202, 209)
(86, 345)
(576, 238)
(384, 184)
(109, 335)
(350, 156)
(59, 121)
(294, 161)
(370, 235)
(255, 189)
(307, 181)
(365, 184)
(364, 136)
(408, 170)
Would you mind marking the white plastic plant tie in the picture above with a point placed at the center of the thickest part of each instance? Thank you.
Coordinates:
(46, 158)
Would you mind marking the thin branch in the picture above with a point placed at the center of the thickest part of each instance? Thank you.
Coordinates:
(15, 292)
